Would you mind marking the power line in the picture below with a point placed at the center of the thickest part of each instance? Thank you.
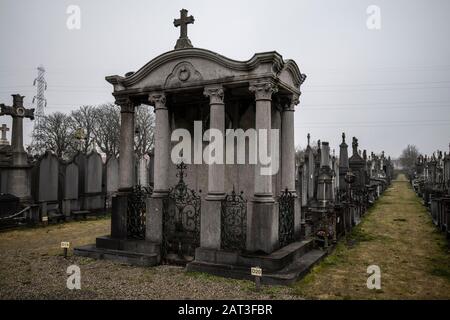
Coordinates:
(39, 98)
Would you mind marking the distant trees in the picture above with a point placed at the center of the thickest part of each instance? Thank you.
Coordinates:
(106, 132)
(408, 157)
(54, 133)
(89, 127)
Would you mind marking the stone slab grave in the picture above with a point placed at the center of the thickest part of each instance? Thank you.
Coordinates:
(111, 179)
(45, 184)
(70, 189)
(210, 217)
(93, 190)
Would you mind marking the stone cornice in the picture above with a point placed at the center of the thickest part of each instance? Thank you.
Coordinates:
(272, 57)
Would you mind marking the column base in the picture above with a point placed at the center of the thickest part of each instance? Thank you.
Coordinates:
(154, 218)
(160, 193)
(262, 226)
(119, 216)
(263, 197)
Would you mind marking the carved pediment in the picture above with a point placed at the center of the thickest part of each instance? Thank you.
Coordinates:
(182, 73)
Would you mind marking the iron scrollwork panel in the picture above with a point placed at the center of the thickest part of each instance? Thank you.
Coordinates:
(136, 209)
(234, 222)
(286, 218)
(181, 214)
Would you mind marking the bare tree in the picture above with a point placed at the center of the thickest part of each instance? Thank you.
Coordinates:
(106, 129)
(145, 124)
(408, 157)
(54, 133)
(99, 125)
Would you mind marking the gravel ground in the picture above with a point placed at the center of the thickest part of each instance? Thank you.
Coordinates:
(32, 267)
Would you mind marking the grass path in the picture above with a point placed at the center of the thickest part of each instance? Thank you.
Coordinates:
(398, 236)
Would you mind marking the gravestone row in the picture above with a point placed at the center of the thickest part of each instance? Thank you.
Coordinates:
(46, 188)
(431, 181)
(336, 191)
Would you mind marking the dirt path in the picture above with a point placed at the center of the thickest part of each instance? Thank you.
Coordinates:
(32, 267)
(398, 236)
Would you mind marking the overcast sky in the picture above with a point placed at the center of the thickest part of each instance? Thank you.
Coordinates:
(388, 87)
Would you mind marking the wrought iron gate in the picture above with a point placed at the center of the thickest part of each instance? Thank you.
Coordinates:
(234, 222)
(286, 218)
(136, 212)
(181, 219)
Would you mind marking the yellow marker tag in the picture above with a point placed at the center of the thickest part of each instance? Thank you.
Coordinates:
(256, 271)
(65, 244)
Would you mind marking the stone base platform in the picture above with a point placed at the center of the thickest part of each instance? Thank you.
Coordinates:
(282, 267)
(135, 252)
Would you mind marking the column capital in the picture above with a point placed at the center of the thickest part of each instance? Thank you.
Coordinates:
(215, 94)
(288, 103)
(126, 105)
(158, 100)
(295, 100)
(263, 90)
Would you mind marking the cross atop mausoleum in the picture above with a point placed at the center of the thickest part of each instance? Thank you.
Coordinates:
(183, 41)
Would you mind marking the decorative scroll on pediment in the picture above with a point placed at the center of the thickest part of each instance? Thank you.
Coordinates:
(183, 72)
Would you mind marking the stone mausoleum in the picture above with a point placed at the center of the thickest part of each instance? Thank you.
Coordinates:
(219, 218)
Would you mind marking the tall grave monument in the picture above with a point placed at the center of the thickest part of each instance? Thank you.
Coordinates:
(18, 171)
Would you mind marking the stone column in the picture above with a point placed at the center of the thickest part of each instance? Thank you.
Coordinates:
(126, 148)
(262, 225)
(155, 204)
(126, 170)
(263, 97)
(288, 146)
(288, 158)
(210, 233)
(162, 144)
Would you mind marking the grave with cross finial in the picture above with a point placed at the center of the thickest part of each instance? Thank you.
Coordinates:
(3, 139)
(19, 180)
(182, 22)
(18, 112)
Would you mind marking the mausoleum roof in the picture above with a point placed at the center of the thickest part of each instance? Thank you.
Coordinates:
(192, 67)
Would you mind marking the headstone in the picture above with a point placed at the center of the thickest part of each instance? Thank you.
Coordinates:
(45, 179)
(143, 171)
(111, 178)
(70, 201)
(93, 195)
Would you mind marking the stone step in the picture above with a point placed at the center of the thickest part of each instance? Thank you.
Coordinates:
(286, 276)
(78, 213)
(279, 258)
(271, 262)
(296, 270)
(128, 257)
(139, 246)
